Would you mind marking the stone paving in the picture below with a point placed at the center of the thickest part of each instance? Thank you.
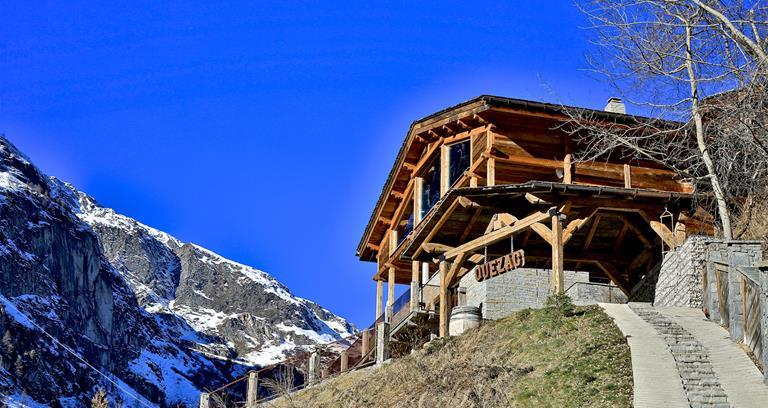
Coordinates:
(654, 372)
(681, 359)
(738, 375)
(694, 366)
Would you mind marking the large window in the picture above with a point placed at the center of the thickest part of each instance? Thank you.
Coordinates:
(430, 192)
(458, 161)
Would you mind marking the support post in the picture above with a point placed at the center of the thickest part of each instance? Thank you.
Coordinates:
(415, 269)
(490, 164)
(379, 297)
(344, 361)
(445, 181)
(314, 368)
(558, 275)
(252, 392)
(418, 190)
(205, 400)
(567, 169)
(390, 294)
(382, 343)
(627, 176)
(444, 297)
(424, 272)
(366, 341)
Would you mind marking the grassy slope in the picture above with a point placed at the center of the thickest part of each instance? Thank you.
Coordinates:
(559, 356)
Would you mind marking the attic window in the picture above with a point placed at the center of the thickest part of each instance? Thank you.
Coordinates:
(458, 161)
(430, 192)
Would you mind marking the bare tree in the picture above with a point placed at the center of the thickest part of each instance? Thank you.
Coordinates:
(281, 385)
(696, 67)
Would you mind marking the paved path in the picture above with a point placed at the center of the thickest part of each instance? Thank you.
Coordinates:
(741, 380)
(654, 372)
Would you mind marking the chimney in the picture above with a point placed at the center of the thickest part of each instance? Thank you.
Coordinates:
(615, 105)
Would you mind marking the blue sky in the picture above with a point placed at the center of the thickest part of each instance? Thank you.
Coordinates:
(265, 131)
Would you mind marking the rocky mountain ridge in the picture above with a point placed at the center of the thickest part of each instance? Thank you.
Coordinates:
(162, 319)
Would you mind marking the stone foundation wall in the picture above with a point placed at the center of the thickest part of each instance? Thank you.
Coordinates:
(529, 288)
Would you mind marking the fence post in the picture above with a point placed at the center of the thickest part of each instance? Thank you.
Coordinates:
(314, 368)
(252, 392)
(366, 341)
(344, 361)
(382, 343)
(205, 400)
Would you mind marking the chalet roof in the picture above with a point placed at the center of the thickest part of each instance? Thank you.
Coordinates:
(484, 102)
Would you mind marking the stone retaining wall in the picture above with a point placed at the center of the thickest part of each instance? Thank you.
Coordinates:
(529, 288)
(680, 277)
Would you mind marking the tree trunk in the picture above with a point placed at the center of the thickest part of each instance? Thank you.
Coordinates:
(722, 205)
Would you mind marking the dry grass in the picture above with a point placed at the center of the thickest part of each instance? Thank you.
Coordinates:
(559, 356)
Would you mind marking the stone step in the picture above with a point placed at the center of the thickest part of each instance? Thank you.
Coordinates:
(693, 360)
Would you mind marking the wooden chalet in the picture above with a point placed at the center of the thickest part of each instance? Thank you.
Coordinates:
(492, 175)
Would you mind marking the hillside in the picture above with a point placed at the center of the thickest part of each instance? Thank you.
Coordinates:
(91, 298)
(559, 356)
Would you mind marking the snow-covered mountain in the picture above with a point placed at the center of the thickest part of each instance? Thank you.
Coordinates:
(83, 288)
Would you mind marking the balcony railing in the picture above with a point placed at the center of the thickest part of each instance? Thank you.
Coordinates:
(401, 308)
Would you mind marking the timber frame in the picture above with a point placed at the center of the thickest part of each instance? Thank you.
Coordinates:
(520, 189)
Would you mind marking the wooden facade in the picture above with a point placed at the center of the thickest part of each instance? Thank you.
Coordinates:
(513, 184)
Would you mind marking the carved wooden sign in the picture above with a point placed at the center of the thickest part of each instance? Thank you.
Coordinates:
(501, 265)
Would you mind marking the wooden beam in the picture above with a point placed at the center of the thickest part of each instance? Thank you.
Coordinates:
(664, 233)
(620, 239)
(470, 224)
(614, 275)
(567, 169)
(591, 233)
(391, 287)
(507, 219)
(490, 163)
(680, 233)
(418, 189)
(533, 199)
(490, 172)
(479, 119)
(640, 259)
(543, 231)
(640, 235)
(467, 203)
(445, 158)
(455, 266)
(627, 176)
(436, 228)
(379, 297)
(498, 235)
(558, 274)
(444, 299)
(435, 248)
(576, 224)
(476, 259)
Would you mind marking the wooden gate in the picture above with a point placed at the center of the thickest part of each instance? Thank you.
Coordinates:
(721, 274)
(751, 303)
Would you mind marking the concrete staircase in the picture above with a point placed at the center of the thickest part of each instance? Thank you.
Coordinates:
(681, 359)
(694, 366)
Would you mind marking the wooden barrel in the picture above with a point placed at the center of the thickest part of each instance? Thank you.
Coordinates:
(464, 318)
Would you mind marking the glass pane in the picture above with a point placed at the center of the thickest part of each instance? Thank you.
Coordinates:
(430, 193)
(458, 160)
(405, 229)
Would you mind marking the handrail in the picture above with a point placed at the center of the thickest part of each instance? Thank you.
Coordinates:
(592, 284)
